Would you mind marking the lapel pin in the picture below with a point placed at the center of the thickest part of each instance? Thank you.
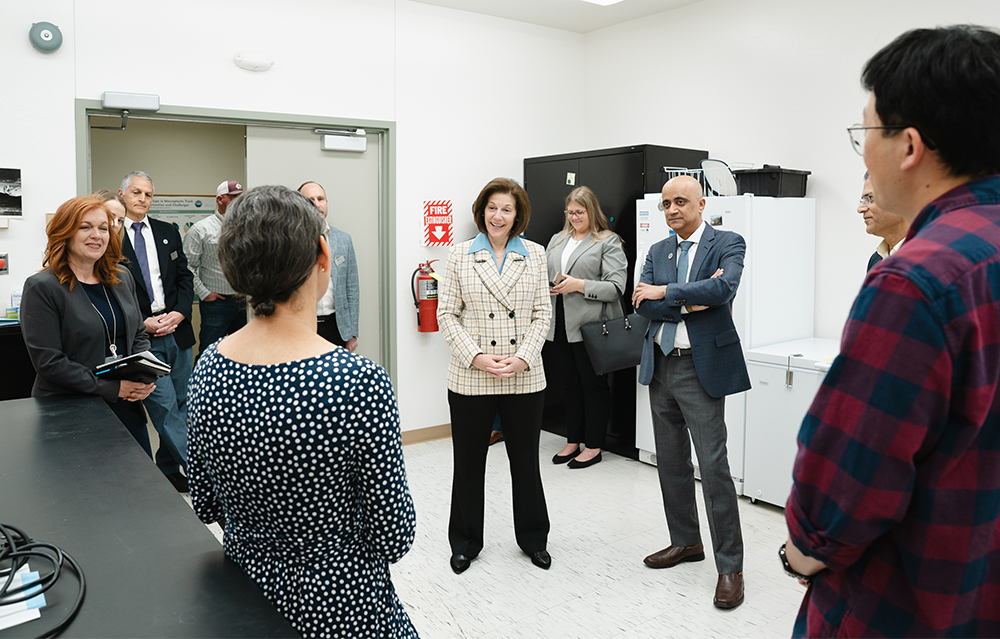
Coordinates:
(670, 257)
(164, 240)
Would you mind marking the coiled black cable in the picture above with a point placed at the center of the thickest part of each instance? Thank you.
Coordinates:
(15, 550)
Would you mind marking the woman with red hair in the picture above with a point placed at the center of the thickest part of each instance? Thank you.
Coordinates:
(81, 310)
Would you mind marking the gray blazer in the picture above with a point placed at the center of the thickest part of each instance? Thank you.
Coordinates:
(66, 339)
(601, 264)
(344, 280)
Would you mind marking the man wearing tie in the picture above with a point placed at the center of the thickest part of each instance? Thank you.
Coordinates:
(691, 360)
(154, 255)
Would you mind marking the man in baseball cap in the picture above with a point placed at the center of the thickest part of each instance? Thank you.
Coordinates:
(222, 310)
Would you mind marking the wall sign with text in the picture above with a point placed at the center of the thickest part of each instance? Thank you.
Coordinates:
(439, 225)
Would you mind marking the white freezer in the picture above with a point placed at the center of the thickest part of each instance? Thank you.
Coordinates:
(774, 302)
(785, 379)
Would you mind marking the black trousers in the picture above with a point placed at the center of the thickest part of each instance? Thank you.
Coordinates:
(471, 424)
(587, 395)
(326, 327)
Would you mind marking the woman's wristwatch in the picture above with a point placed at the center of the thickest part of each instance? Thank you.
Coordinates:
(788, 567)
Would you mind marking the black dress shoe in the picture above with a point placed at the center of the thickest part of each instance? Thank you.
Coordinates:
(460, 563)
(179, 482)
(541, 559)
(562, 459)
(576, 463)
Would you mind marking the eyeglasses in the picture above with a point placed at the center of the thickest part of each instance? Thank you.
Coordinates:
(867, 200)
(857, 134)
(575, 213)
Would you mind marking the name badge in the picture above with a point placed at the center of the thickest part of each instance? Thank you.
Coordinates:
(173, 256)
(339, 260)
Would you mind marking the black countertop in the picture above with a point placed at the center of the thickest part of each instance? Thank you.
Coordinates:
(71, 475)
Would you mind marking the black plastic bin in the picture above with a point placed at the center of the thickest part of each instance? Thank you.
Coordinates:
(772, 181)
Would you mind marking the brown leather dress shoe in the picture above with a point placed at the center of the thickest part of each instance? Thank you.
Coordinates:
(496, 436)
(729, 591)
(673, 555)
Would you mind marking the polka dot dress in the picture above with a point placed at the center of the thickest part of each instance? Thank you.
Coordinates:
(305, 462)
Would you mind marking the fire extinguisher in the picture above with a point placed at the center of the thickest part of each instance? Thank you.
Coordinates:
(424, 286)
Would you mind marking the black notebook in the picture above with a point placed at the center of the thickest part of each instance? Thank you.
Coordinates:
(141, 367)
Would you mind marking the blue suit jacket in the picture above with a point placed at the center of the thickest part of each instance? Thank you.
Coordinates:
(344, 280)
(715, 344)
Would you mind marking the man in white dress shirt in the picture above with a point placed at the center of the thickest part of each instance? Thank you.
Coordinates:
(153, 253)
(337, 312)
(881, 223)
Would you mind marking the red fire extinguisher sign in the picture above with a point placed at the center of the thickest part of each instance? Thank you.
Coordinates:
(438, 223)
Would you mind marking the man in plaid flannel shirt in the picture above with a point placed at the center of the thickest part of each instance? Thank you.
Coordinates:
(894, 516)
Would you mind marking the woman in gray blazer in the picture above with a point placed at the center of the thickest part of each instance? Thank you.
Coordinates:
(586, 266)
(493, 310)
(82, 310)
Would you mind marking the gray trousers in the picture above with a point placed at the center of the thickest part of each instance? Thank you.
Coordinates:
(679, 404)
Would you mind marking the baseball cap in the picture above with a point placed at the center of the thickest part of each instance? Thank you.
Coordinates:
(229, 187)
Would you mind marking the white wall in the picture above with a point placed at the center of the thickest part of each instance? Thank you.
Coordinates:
(36, 109)
(471, 95)
(332, 58)
(771, 81)
(475, 95)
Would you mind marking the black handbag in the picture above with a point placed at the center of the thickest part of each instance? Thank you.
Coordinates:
(614, 344)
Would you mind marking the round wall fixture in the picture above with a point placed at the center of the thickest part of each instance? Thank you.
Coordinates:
(45, 36)
(253, 60)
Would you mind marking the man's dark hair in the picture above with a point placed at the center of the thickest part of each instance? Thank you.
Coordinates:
(945, 83)
(269, 244)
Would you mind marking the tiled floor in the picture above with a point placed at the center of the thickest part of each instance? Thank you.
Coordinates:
(605, 519)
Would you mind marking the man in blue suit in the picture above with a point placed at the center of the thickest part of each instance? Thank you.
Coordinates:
(337, 312)
(691, 360)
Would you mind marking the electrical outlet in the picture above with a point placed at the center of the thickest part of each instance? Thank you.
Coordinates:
(4, 265)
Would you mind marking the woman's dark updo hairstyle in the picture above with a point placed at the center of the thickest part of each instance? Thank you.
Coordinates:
(269, 244)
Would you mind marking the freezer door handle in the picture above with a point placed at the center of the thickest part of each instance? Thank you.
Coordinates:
(788, 370)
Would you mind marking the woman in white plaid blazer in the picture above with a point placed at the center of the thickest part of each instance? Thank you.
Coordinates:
(494, 312)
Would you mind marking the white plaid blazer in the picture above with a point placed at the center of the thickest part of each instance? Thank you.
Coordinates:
(483, 311)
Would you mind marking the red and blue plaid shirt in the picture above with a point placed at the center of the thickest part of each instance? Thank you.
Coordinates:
(897, 478)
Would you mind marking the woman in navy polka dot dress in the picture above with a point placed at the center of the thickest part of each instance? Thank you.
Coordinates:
(296, 442)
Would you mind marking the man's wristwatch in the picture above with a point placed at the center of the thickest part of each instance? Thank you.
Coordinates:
(788, 568)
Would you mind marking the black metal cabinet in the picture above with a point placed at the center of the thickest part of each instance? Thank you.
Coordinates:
(17, 374)
(618, 177)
